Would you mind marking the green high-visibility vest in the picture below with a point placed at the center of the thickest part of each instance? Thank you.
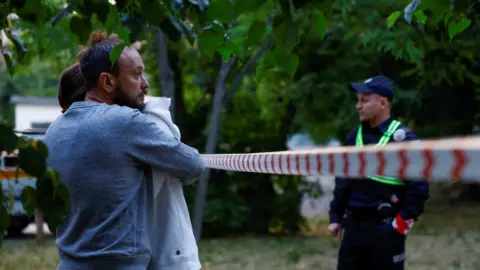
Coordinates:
(383, 141)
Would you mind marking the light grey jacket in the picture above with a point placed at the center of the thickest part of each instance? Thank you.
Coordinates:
(173, 243)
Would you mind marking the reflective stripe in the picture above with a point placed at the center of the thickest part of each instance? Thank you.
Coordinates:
(383, 141)
(387, 135)
(387, 180)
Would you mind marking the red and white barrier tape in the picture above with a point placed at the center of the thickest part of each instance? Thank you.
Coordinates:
(442, 160)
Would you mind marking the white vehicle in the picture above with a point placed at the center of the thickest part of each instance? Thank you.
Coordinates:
(13, 186)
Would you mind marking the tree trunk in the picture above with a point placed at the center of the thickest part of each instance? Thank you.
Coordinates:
(165, 72)
(7, 110)
(220, 91)
(39, 234)
(220, 99)
(178, 108)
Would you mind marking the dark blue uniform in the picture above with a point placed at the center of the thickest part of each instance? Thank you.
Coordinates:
(374, 236)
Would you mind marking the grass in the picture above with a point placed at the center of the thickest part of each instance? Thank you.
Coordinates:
(445, 238)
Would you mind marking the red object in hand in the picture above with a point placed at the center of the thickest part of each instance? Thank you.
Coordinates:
(402, 226)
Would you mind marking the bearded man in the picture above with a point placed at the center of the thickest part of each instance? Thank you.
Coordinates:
(104, 149)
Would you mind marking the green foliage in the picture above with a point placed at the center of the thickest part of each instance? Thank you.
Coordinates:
(276, 64)
(211, 38)
(221, 10)
(208, 22)
(286, 35)
(9, 139)
(393, 18)
(228, 49)
(50, 196)
(454, 19)
(255, 33)
(81, 27)
(457, 27)
(10, 65)
(116, 52)
(31, 150)
(420, 15)
(320, 23)
(29, 199)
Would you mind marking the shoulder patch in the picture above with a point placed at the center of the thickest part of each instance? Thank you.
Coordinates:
(400, 135)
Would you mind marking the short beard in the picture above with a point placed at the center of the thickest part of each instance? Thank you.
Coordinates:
(122, 98)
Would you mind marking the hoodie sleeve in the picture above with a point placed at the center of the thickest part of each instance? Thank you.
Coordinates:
(153, 146)
(158, 109)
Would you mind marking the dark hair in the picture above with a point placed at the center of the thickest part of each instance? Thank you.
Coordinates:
(71, 86)
(96, 57)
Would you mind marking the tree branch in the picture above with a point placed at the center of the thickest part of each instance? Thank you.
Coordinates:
(67, 10)
(410, 9)
(238, 79)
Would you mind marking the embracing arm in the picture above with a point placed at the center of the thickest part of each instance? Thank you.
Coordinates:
(152, 146)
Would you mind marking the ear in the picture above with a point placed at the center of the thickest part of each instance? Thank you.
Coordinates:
(386, 103)
(107, 82)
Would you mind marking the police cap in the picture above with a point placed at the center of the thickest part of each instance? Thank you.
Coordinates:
(379, 85)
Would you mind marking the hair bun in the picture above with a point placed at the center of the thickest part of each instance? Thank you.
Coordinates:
(97, 36)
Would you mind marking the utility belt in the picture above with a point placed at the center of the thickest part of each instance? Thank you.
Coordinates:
(378, 191)
(384, 212)
(391, 199)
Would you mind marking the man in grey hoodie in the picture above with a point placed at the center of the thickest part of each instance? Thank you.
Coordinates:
(104, 148)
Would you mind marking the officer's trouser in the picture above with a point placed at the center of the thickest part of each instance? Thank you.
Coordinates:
(371, 245)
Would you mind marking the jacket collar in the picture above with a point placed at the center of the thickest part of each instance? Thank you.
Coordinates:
(382, 127)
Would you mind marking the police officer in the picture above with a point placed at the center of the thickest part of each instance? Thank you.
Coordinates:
(377, 212)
